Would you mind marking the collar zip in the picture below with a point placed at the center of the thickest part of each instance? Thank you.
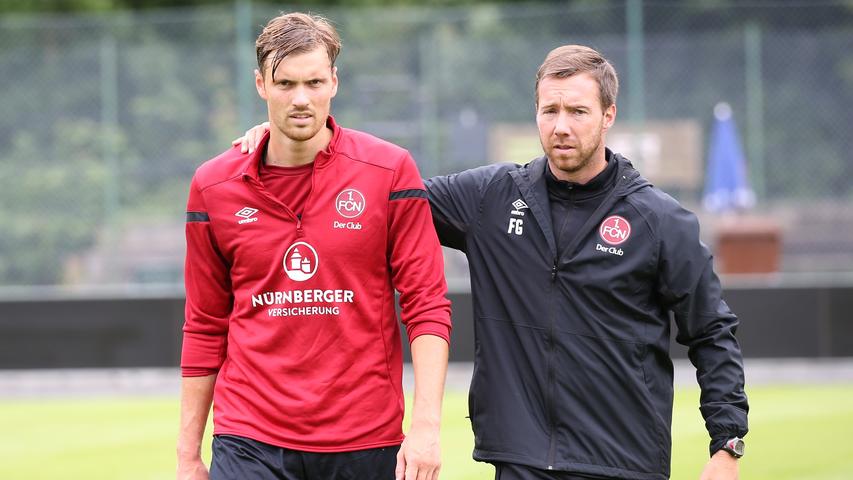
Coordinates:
(299, 231)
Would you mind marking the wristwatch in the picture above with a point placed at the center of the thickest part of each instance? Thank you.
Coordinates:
(734, 446)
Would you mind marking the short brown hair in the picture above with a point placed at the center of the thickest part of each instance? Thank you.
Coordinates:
(568, 60)
(295, 33)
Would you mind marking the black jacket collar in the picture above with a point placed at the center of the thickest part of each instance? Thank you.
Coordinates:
(530, 180)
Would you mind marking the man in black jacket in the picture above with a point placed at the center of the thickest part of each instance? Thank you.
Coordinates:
(577, 264)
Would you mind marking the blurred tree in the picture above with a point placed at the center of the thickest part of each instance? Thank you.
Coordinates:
(415, 73)
(42, 229)
(65, 6)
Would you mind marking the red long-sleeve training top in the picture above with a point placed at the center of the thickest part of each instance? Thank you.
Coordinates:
(297, 314)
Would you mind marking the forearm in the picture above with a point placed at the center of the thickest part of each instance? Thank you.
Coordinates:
(707, 326)
(429, 362)
(196, 399)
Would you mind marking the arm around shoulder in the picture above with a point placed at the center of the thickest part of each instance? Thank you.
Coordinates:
(456, 201)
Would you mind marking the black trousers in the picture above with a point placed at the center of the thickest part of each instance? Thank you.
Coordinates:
(239, 458)
(512, 471)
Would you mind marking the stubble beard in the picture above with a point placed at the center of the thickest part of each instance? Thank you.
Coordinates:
(581, 159)
(300, 134)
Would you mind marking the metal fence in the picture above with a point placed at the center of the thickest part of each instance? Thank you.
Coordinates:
(107, 116)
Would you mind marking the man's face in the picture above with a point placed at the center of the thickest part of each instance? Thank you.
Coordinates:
(300, 95)
(572, 126)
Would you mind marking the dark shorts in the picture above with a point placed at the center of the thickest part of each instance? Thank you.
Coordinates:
(240, 458)
(511, 471)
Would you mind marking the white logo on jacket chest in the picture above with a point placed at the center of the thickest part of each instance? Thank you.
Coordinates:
(301, 262)
(350, 203)
(611, 250)
(347, 225)
(516, 225)
(247, 215)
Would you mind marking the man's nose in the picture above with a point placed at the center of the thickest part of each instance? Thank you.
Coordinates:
(300, 97)
(563, 126)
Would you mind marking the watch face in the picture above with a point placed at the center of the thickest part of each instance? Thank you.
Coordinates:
(735, 446)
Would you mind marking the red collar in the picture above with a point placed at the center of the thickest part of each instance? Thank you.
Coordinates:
(323, 158)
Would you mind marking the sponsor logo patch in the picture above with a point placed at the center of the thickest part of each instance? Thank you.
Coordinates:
(614, 230)
(301, 262)
(350, 203)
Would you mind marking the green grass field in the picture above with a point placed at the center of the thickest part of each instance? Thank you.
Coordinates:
(801, 432)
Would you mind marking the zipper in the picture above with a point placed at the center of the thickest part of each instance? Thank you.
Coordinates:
(259, 188)
(299, 231)
(596, 217)
(552, 415)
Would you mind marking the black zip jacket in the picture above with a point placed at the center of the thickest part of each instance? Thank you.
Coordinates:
(572, 370)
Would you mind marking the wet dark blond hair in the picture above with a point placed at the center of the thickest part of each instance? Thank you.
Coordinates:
(569, 60)
(295, 33)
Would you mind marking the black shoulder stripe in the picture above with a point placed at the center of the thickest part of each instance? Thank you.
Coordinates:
(400, 194)
(197, 217)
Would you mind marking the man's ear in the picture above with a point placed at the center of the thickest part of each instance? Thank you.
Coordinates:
(334, 81)
(259, 84)
(609, 116)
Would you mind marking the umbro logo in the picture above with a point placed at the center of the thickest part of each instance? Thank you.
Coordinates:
(247, 215)
(517, 206)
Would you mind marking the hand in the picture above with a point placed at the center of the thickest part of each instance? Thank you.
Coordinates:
(419, 457)
(192, 469)
(721, 466)
(250, 140)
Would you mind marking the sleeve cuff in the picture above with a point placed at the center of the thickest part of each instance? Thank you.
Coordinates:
(197, 371)
(438, 329)
(717, 443)
(719, 440)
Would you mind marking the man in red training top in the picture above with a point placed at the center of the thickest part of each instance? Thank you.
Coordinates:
(293, 256)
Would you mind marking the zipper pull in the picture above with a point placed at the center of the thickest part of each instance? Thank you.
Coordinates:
(299, 232)
(554, 271)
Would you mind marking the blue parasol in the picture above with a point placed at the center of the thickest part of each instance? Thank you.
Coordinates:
(726, 184)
